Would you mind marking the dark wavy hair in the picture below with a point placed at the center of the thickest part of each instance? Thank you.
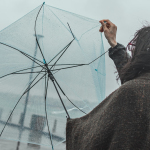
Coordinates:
(139, 62)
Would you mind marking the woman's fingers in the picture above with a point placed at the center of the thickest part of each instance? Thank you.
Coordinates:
(101, 29)
(108, 21)
(103, 26)
(109, 30)
(103, 22)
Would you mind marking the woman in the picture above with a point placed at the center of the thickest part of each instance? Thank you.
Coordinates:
(121, 121)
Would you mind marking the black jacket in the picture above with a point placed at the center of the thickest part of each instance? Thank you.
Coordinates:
(120, 122)
(119, 55)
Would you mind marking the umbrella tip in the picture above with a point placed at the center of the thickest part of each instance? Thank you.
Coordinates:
(44, 61)
(43, 3)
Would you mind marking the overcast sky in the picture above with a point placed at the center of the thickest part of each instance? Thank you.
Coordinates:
(128, 15)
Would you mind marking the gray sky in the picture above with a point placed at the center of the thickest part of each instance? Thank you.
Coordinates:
(128, 15)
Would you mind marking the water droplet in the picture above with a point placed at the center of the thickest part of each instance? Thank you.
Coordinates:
(147, 49)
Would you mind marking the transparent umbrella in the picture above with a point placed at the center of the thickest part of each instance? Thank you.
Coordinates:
(52, 66)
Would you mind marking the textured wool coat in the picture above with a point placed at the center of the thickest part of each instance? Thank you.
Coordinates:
(120, 121)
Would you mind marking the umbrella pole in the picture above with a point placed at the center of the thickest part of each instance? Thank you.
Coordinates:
(27, 97)
(50, 75)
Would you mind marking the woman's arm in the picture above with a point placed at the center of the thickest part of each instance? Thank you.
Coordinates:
(117, 52)
(119, 55)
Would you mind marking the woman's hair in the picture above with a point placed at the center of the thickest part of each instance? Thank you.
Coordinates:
(139, 62)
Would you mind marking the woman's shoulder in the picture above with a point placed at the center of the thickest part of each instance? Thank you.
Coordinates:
(141, 82)
(136, 90)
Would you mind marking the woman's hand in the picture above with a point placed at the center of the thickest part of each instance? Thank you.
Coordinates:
(110, 31)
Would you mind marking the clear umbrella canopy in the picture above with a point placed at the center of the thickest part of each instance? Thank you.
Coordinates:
(51, 67)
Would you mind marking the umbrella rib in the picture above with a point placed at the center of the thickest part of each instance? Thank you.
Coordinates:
(66, 64)
(56, 72)
(35, 83)
(36, 35)
(34, 60)
(71, 30)
(46, 87)
(67, 97)
(69, 67)
(59, 20)
(81, 64)
(67, 46)
(60, 99)
(20, 99)
(97, 57)
(20, 51)
(17, 71)
(62, 54)
(28, 72)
